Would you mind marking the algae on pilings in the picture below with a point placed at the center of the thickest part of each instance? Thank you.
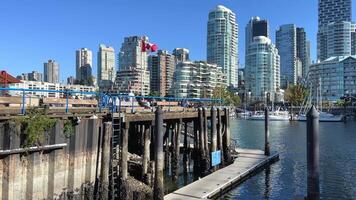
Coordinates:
(68, 128)
(34, 125)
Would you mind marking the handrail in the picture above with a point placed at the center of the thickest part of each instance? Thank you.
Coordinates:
(107, 99)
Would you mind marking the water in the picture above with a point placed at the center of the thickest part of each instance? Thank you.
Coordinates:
(287, 178)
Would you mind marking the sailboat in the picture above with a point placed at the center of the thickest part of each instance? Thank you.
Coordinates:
(323, 116)
(274, 115)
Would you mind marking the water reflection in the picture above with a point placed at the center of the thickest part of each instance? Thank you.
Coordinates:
(287, 178)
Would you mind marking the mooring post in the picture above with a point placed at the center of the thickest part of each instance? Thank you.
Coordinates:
(226, 137)
(213, 135)
(267, 150)
(185, 152)
(158, 189)
(313, 190)
(105, 161)
(146, 153)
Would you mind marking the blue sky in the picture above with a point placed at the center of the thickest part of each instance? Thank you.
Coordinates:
(33, 31)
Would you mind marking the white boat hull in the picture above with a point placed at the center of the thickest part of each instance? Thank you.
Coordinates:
(334, 118)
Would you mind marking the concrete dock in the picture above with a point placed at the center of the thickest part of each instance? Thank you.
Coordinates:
(249, 161)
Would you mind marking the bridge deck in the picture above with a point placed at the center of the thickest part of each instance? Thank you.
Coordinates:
(248, 162)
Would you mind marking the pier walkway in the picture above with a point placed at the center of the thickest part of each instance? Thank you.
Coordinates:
(249, 161)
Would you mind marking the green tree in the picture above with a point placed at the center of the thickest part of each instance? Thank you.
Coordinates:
(228, 97)
(154, 94)
(296, 94)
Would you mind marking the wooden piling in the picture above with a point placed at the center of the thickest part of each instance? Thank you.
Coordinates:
(146, 153)
(206, 141)
(226, 137)
(175, 150)
(124, 151)
(219, 135)
(186, 151)
(105, 161)
(196, 149)
(158, 189)
(166, 149)
(201, 133)
(213, 134)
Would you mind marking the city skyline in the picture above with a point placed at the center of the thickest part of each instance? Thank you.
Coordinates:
(25, 36)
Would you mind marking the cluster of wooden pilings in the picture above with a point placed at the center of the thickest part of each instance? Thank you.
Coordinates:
(169, 141)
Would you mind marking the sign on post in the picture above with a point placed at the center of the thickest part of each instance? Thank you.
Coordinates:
(215, 158)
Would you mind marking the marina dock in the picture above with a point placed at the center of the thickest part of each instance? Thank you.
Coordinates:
(248, 162)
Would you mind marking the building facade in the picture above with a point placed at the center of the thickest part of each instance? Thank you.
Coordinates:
(32, 76)
(331, 14)
(106, 66)
(133, 75)
(222, 42)
(50, 86)
(51, 71)
(255, 27)
(180, 55)
(286, 43)
(197, 80)
(333, 78)
(303, 51)
(84, 63)
(262, 69)
(161, 67)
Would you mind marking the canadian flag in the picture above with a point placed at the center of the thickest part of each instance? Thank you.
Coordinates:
(148, 47)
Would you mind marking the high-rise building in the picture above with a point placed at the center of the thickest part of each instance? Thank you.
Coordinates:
(133, 75)
(84, 63)
(331, 11)
(180, 55)
(286, 43)
(70, 80)
(32, 76)
(262, 69)
(161, 68)
(35, 76)
(303, 51)
(255, 27)
(222, 42)
(106, 66)
(196, 80)
(51, 71)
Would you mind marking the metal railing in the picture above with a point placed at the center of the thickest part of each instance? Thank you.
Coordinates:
(106, 100)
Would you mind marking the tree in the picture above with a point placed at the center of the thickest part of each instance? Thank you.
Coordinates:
(154, 94)
(296, 94)
(228, 97)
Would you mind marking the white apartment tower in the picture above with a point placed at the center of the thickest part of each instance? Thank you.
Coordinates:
(106, 65)
(262, 70)
(222, 42)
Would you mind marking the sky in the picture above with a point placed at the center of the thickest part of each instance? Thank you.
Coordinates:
(34, 31)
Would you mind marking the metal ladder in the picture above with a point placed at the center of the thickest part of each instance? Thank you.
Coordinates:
(115, 154)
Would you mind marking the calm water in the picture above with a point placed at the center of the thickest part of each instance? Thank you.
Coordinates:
(287, 178)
